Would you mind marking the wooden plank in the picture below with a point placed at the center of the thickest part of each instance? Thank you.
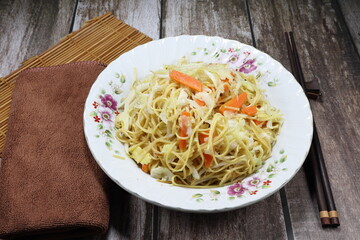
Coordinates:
(328, 57)
(226, 19)
(351, 11)
(131, 217)
(263, 220)
(30, 27)
(140, 14)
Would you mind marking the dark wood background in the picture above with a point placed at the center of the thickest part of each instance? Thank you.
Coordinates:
(328, 38)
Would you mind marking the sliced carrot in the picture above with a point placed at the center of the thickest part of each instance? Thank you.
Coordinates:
(208, 159)
(200, 102)
(203, 138)
(251, 110)
(236, 102)
(182, 142)
(257, 122)
(226, 86)
(145, 168)
(233, 74)
(187, 80)
(187, 114)
(184, 121)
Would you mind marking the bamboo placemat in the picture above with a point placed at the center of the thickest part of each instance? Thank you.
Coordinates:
(101, 39)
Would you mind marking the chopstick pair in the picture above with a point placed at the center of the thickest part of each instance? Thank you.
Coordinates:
(325, 199)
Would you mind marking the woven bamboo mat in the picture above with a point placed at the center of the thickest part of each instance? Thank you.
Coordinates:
(101, 39)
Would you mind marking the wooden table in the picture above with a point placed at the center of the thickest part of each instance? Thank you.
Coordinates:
(328, 38)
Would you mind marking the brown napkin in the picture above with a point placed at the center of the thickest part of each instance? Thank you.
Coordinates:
(50, 186)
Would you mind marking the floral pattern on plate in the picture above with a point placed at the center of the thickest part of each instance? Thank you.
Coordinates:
(239, 60)
(249, 185)
(105, 111)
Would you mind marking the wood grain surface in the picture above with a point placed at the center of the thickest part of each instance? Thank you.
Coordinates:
(327, 36)
(328, 57)
(131, 218)
(28, 28)
(227, 19)
(351, 14)
(143, 15)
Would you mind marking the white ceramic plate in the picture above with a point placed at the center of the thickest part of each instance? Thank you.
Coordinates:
(281, 89)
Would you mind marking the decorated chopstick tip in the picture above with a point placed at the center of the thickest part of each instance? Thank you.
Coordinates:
(334, 218)
(325, 222)
(329, 218)
(335, 222)
(325, 218)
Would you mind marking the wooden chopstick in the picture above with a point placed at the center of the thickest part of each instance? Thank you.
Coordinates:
(334, 218)
(325, 199)
(317, 147)
(319, 192)
(310, 93)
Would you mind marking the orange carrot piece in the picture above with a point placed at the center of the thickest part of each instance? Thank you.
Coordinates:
(187, 114)
(145, 168)
(187, 80)
(208, 159)
(184, 121)
(257, 122)
(251, 110)
(200, 102)
(203, 136)
(182, 142)
(226, 86)
(233, 74)
(203, 139)
(236, 102)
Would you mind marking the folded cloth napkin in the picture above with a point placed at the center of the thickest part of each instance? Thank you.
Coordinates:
(50, 186)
